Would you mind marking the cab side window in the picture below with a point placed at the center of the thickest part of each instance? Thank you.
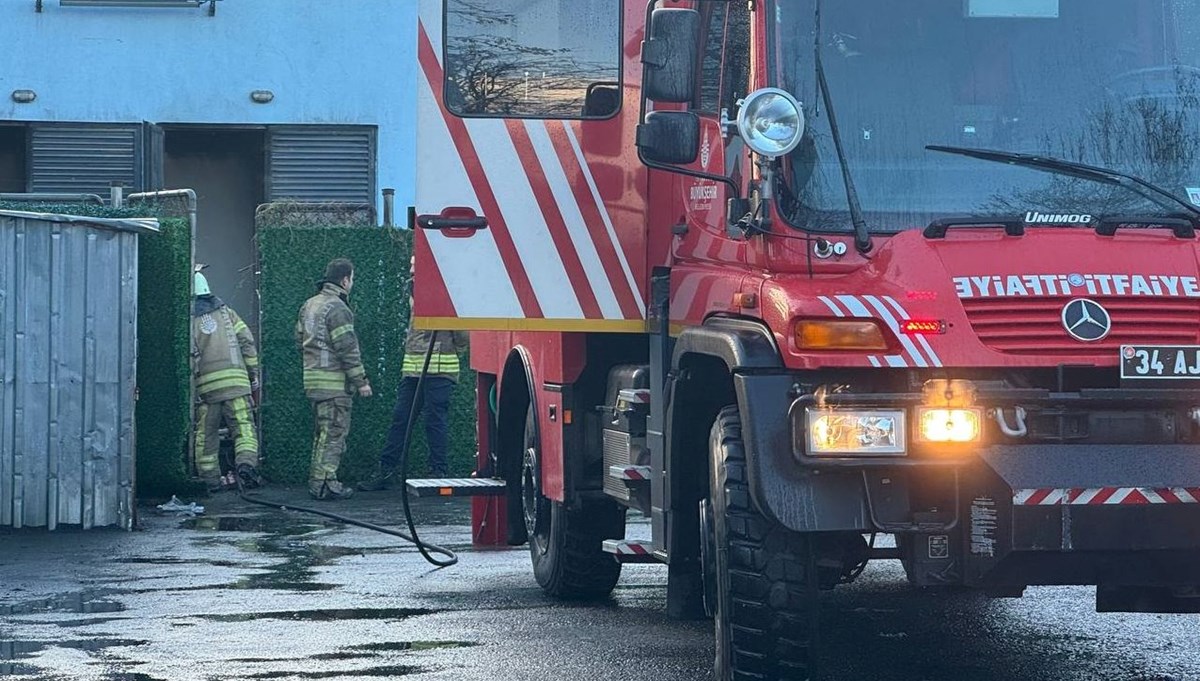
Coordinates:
(533, 58)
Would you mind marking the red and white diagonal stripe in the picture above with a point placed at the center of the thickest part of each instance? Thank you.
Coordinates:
(551, 250)
(918, 352)
(1105, 496)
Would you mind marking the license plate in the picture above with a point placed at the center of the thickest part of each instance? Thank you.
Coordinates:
(1160, 363)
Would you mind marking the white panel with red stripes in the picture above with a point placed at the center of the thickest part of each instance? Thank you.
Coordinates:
(552, 247)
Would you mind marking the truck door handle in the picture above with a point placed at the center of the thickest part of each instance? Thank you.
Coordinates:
(453, 220)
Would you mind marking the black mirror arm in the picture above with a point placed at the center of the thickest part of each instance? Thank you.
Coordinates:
(650, 52)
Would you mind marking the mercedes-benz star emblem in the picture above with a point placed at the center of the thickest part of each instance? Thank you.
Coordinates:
(1086, 320)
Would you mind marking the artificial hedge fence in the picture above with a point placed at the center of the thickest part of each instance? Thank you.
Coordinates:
(163, 415)
(292, 260)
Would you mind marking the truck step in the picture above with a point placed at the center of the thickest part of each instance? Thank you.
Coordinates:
(457, 487)
(630, 551)
(630, 473)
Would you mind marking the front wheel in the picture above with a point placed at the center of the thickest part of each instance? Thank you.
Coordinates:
(764, 581)
(565, 545)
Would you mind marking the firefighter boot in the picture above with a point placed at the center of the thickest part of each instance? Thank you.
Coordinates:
(329, 490)
(380, 481)
(248, 476)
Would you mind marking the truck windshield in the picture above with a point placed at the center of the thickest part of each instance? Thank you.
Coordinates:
(1112, 83)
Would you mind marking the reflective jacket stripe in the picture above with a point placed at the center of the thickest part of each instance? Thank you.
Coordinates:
(353, 372)
(439, 363)
(222, 375)
(324, 379)
(223, 384)
(341, 331)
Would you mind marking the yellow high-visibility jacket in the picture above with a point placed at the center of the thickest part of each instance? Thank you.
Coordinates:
(443, 362)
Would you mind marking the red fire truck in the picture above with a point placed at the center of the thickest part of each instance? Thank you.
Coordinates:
(785, 275)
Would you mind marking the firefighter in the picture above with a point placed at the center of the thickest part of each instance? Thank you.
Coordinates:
(225, 366)
(333, 372)
(437, 388)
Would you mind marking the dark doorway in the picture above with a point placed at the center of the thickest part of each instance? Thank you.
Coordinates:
(13, 143)
(225, 168)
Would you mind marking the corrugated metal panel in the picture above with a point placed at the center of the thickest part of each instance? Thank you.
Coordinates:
(68, 343)
(84, 158)
(321, 163)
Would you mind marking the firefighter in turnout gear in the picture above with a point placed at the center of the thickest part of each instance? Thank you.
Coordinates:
(225, 367)
(333, 372)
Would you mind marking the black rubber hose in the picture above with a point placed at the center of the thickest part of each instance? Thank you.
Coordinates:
(426, 549)
(418, 398)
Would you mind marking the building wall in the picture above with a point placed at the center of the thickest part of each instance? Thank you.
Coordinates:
(347, 62)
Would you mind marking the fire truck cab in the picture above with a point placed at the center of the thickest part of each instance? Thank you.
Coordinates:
(787, 275)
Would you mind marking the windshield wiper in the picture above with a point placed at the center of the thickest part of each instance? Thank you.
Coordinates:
(862, 237)
(1057, 166)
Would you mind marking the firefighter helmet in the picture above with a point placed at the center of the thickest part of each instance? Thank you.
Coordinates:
(200, 285)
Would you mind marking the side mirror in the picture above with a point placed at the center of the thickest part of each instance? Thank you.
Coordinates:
(669, 137)
(669, 56)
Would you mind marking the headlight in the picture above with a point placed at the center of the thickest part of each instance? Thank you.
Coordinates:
(950, 425)
(865, 433)
(771, 122)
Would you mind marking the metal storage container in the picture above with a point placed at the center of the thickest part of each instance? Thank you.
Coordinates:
(68, 366)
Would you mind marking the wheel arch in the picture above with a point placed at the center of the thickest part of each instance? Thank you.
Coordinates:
(700, 384)
(515, 395)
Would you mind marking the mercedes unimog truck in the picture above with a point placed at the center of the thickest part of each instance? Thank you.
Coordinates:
(789, 276)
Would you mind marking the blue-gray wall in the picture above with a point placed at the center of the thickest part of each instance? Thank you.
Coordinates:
(350, 62)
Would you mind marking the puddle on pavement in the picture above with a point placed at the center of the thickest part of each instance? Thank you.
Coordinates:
(297, 572)
(324, 615)
(389, 646)
(88, 622)
(282, 539)
(341, 655)
(397, 670)
(16, 650)
(277, 524)
(178, 561)
(84, 602)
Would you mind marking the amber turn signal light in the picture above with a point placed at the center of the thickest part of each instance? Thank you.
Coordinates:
(841, 334)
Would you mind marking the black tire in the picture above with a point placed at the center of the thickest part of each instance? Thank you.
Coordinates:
(765, 597)
(566, 546)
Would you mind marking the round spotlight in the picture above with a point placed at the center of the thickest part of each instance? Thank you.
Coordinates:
(771, 122)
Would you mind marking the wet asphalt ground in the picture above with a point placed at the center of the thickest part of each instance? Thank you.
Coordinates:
(246, 592)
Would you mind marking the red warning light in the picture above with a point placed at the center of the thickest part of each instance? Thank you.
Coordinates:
(923, 327)
(921, 295)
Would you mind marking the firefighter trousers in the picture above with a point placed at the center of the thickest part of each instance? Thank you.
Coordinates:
(332, 424)
(236, 413)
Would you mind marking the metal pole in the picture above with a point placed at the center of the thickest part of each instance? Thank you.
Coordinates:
(117, 194)
(389, 207)
(49, 197)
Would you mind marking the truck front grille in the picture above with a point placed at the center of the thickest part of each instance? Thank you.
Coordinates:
(1033, 326)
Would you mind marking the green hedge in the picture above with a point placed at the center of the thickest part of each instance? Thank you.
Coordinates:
(292, 260)
(164, 418)
(164, 288)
